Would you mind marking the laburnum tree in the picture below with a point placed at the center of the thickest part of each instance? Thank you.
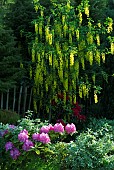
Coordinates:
(68, 52)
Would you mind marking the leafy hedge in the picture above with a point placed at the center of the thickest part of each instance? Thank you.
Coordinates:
(7, 116)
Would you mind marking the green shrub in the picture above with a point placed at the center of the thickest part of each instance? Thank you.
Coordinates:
(7, 116)
(93, 149)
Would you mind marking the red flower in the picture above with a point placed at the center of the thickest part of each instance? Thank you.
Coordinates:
(75, 111)
(81, 117)
(77, 106)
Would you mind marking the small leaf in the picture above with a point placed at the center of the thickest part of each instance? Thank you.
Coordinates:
(37, 152)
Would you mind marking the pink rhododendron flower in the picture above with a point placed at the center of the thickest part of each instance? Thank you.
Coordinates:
(44, 129)
(27, 145)
(70, 128)
(22, 137)
(51, 128)
(36, 136)
(25, 131)
(14, 153)
(44, 138)
(58, 127)
(8, 146)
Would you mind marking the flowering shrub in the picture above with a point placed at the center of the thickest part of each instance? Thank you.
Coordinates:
(18, 141)
(91, 149)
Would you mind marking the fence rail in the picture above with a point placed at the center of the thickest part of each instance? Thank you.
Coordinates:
(17, 99)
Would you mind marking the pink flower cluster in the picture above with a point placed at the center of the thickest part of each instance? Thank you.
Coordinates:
(70, 128)
(23, 136)
(42, 137)
(58, 127)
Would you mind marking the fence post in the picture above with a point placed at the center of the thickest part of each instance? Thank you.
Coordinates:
(14, 94)
(30, 99)
(19, 101)
(25, 98)
(2, 100)
(7, 99)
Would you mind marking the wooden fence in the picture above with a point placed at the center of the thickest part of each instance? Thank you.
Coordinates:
(18, 99)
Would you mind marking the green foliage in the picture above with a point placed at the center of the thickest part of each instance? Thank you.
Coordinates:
(10, 72)
(94, 148)
(7, 116)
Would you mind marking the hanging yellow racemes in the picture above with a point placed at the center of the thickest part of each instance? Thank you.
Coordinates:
(97, 57)
(77, 34)
(84, 91)
(50, 58)
(50, 39)
(86, 8)
(76, 68)
(90, 57)
(89, 38)
(95, 98)
(36, 28)
(57, 47)
(110, 25)
(71, 58)
(103, 57)
(47, 34)
(80, 17)
(80, 91)
(63, 19)
(98, 39)
(55, 61)
(112, 48)
(74, 98)
(65, 29)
